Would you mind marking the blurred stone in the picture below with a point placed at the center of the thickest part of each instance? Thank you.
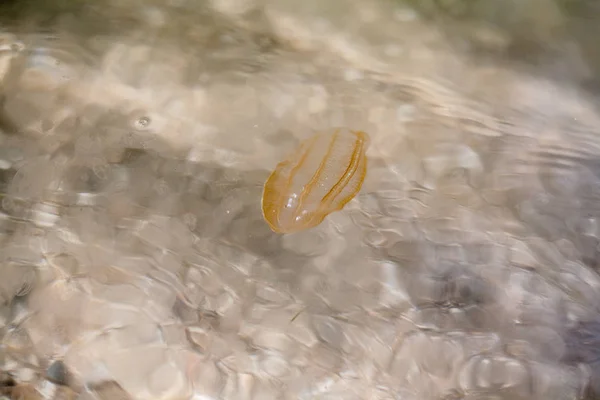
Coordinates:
(107, 391)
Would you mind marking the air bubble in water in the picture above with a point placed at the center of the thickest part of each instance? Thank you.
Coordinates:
(142, 123)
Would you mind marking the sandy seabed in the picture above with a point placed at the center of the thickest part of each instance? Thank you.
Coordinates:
(135, 262)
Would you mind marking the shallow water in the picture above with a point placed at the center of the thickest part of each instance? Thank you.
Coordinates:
(134, 141)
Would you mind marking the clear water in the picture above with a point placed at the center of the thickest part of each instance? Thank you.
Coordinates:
(136, 135)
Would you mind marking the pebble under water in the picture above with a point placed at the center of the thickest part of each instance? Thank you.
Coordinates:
(135, 137)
